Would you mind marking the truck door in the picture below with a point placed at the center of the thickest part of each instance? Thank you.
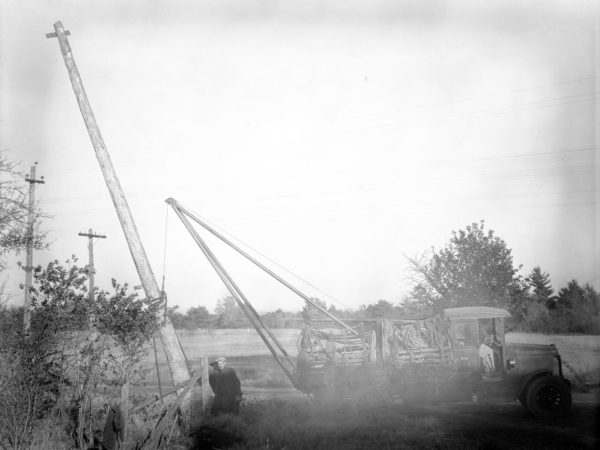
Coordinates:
(465, 345)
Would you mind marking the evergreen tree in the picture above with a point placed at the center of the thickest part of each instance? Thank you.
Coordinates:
(540, 288)
(576, 309)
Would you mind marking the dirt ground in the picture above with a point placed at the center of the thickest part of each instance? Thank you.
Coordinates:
(442, 426)
(510, 426)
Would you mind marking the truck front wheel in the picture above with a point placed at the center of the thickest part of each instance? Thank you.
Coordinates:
(548, 397)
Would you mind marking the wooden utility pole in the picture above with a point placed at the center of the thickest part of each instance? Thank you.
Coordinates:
(29, 244)
(90, 235)
(173, 350)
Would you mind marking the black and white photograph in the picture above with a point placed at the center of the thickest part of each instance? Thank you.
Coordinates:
(299, 224)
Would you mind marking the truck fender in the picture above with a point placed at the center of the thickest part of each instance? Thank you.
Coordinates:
(525, 385)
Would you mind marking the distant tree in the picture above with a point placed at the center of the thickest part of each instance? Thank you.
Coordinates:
(382, 308)
(537, 319)
(178, 319)
(333, 310)
(275, 319)
(529, 302)
(341, 313)
(229, 314)
(519, 302)
(319, 302)
(474, 268)
(576, 309)
(198, 317)
(540, 287)
(14, 211)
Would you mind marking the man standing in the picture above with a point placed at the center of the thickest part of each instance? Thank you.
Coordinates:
(226, 387)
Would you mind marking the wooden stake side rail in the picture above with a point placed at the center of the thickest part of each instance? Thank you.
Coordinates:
(441, 355)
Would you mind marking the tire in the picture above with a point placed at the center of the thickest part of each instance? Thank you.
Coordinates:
(548, 398)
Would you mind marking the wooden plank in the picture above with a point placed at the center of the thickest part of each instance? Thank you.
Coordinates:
(154, 439)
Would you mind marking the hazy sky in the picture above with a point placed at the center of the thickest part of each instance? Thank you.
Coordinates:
(330, 136)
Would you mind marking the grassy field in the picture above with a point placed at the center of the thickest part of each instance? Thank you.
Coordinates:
(250, 357)
(243, 348)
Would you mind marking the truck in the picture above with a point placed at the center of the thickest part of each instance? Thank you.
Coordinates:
(460, 354)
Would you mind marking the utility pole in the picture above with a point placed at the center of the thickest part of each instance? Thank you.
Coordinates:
(90, 235)
(29, 244)
(173, 350)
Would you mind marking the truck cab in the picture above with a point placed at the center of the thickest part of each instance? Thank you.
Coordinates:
(531, 373)
(477, 339)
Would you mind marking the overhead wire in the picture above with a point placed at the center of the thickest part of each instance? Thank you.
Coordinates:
(410, 108)
(467, 115)
(409, 165)
(479, 97)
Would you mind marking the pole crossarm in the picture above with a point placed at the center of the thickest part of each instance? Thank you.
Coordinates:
(243, 302)
(92, 235)
(178, 207)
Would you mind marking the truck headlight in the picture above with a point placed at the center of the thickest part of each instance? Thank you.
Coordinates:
(511, 364)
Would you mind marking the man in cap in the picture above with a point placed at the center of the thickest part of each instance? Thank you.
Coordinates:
(226, 386)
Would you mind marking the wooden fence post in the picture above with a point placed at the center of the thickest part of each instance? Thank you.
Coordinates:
(205, 387)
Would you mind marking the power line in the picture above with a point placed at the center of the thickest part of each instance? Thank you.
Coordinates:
(471, 115)
(412, 108)
(480, 97)
(409, 165)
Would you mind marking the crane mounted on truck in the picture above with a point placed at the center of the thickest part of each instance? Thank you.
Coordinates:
(460, 354)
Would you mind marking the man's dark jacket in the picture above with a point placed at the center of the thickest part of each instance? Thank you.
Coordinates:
(226, 387)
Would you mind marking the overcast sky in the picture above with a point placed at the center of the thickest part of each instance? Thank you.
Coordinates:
(330, 136)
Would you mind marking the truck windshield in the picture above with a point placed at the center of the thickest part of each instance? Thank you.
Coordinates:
(466, 333)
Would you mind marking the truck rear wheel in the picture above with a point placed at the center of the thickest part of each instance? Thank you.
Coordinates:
(548, 397)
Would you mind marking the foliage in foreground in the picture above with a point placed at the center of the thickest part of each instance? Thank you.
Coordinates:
(64, 356)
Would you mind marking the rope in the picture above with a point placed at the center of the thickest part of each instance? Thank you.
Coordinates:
(163, 298)
(160, 393)
(162, 288)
